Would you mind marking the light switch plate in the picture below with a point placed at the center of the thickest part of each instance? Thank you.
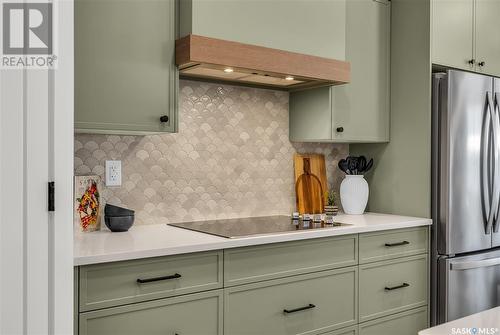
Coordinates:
(113, 173)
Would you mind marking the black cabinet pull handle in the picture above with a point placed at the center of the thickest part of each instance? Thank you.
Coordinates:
(288, 311)
(396, 244)
(340, 129)
(482, 63)
(471, 62)
(149, 280)
(164, 119)
(397, 287)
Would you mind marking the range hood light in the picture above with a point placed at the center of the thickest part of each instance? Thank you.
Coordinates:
(228, 70)
(289, 78)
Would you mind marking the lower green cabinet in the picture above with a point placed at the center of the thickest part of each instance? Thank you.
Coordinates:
(194, 314)
(392, 286)
(344, 331)
(406, 323)
(316, 287)
(312, 303)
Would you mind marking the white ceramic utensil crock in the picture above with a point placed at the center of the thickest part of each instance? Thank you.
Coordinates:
(354, 194)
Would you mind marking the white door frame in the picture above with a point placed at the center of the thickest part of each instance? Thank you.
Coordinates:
(36, 146)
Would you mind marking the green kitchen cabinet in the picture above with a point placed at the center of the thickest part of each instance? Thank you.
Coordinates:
(406, 323)
(360, 110)
(315, 28)
(384, 245)
(463, 35)
(258, 263)
(392, 286)
(344, 331)
(311, 303)
(119, 283)
(194, 314)
(340, 285)
(126, 80)
(453, 33)
(487, 38)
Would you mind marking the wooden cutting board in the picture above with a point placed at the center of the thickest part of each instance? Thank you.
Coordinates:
(310, 187)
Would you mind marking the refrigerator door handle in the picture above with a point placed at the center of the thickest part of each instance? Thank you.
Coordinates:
(494, 165)
(496, 190)
(467, 265)
(486, 171)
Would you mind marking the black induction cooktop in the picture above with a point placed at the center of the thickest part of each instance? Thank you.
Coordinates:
(246, 227)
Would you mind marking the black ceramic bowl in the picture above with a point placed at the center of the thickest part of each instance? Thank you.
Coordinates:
(119, 223)
(112, 210)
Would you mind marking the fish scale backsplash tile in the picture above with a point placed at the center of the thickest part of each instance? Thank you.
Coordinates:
(231, 158)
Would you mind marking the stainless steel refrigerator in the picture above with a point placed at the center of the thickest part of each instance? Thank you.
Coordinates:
(466, 194)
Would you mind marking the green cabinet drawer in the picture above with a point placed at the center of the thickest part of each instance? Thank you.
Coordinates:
(392, 286)
(257, 263)
(113, 284)
(194, 314)
(344, 331)
(406, 323)
(304, 304)
(384, 245)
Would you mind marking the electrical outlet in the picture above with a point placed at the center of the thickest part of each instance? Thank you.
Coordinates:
(113, 173)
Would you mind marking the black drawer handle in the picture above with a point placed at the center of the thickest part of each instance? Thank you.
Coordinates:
(164, 119)
(288, 311)
(397, 287)
(397, 244)
(149, 280)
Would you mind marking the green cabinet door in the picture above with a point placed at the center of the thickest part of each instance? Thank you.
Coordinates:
(392, 286)
(406, 323)
(305, 304)
(125, 74)
(360, 110)
(304, 26)
(487, 37)
(452, 33)
(257, 263)
(195, 314)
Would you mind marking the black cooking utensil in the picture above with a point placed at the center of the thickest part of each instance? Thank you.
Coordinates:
(362, 164)
(353, 165)
(343, 165)
(368, 166)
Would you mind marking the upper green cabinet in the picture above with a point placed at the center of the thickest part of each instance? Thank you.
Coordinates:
(126, 81)
(487, 36)
(463, 35)
(452, 33)
(315, 28)
(358, 111)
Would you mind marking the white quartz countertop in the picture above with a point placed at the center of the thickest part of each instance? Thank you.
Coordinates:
(162, 240)
(487, 322)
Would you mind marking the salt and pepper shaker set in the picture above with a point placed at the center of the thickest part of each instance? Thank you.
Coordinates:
(316, 218)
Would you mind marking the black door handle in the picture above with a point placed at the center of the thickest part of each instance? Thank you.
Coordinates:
(149, 280)
(340, 129)
(397, 287)
(164, 119)
(397, 244)
(288, 311)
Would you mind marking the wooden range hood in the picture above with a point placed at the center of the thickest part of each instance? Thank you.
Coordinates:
(210, 58)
